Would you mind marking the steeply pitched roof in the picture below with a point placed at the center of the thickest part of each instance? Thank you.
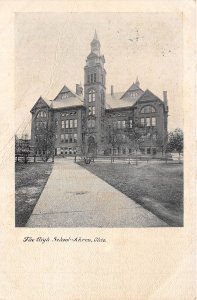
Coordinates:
(148, 96)
(133, 88)
(64, 91)
(71, 99)
(69, 102)
(124, 99)
(117, 100)
(67, 98)
(41, 103)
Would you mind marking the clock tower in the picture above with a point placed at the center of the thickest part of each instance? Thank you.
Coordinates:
(94, 97)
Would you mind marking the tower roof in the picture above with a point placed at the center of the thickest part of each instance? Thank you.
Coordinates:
(95, 44)
(95, 36)
(137, 81)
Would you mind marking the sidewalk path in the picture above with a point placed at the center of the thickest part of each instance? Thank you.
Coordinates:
(74, 197)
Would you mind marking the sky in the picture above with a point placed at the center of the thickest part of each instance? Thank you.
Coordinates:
(51, 50)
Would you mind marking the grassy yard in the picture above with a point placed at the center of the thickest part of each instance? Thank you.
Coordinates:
(30, 180)
(157, 186)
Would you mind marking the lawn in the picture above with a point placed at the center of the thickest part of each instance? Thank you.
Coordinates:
(157, 186)
(30, 180)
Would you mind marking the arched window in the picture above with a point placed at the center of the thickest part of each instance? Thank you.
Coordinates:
(91, 123)
(148, 109)
(91, 96)
(41, 114)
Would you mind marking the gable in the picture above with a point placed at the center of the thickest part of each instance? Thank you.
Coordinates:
(41, 103)
(133, 92)
(148, 96)
(65, 93)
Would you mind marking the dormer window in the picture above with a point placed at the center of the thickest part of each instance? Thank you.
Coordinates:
(133, 94)
(65, 96)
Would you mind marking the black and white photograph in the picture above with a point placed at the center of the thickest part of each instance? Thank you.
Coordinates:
(99, 120)
(98, 150)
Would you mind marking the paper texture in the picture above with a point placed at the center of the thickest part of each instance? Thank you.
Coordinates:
(134, 263)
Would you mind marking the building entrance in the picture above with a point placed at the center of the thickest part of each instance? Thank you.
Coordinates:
(91, 146)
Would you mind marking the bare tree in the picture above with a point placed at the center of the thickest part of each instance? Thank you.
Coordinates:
(162, 143)
(135, 136)
(45, 141)
(115, 136)
(135, 140)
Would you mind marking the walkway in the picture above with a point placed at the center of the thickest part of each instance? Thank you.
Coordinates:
(74, 197)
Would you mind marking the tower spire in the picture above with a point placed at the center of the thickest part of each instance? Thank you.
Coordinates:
(95, 36)
(95, 44)
(137, 81)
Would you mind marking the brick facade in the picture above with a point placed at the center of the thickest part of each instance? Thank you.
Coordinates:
(87, 121)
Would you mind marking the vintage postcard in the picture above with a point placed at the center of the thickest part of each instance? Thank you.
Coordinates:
(97, 158)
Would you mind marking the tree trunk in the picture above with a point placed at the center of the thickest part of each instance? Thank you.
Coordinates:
(166, 158)
(136, 159)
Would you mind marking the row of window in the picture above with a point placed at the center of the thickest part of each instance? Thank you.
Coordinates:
(65, 150)
(68, 113)
(67, 123)
(122, 124)
(68, 138)
(91, 123)
(92, 78)
(66, 95)
(42, 114)
(122, 138)
(148, 109)
(133, 94)
(150, 136)
(148, 121)
(149, 150)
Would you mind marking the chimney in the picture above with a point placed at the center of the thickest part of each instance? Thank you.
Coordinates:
(112, 90)
(165, 97)
(79, 89)
(165, 100)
